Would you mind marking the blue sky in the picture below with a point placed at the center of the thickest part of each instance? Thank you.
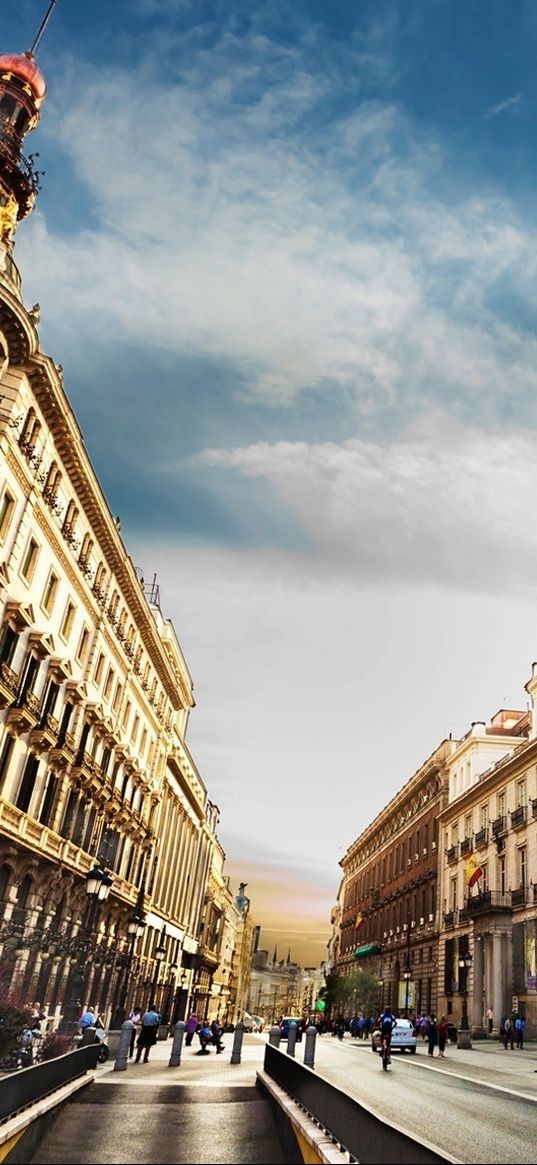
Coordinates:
(286, 255)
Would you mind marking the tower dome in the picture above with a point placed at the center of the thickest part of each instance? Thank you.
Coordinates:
(25, 69)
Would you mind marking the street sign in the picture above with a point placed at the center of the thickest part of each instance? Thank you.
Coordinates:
(320, 1005)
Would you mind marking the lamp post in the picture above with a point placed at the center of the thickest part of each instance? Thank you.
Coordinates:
(407, 975)
(169, 994)
(381, 988)
(179, 1003)
(98, 885)
(160, 954)
(135, 926)
(464, 1039)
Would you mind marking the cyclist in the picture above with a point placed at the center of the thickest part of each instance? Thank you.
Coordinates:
(387, 1024)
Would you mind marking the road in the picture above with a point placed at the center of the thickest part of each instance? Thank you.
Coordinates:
(479, 1105)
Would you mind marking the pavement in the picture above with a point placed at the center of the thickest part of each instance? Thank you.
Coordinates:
(207, 1110)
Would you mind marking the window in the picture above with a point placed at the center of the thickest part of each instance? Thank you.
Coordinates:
(30, 432)
(82, 646)
(484, 816)
(29, 561)
(52, 484)
(135, 727)
(7, 507)
(521, 793)
(126, 714)
(68, 620)
(50, 592)
(86, 551)
(453, 889)
(8, 642)
(98, 673)
(468, 825)
(47, 805)
(501, 874)
(523, 867)
(484, 881)
(501, 803)
(28, 783)
(117, 697)
(71, 517)
(108, 684)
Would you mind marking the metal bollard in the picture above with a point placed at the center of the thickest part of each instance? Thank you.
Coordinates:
(237, 1044)
(177, 1045)
(124, 1046)
(292, 1039)
(275, 1036)
(309, 1050)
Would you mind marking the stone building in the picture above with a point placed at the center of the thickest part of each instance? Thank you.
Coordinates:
(107, 834)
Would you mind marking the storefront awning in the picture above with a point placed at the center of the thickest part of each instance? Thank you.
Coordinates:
(367, 949)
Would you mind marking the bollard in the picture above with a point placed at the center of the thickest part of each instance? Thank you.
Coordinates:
(237, 1044)
(124, 1046)
(309, 1050)
(177, 1045)
(292, 1039)
(275, 1036)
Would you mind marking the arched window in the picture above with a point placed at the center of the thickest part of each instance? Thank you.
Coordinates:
(52, 484)
(86, 550)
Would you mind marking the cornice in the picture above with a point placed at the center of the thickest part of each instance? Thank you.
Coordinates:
(506, 768)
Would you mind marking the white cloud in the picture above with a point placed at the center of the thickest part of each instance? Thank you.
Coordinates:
(442, 502)
(234, 222)
(503, 105)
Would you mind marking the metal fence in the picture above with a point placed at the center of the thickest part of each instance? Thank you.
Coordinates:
(351, 1124)
(23, 1087)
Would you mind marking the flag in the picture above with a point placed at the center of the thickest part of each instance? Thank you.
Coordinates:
(359, 920)
(473, 870)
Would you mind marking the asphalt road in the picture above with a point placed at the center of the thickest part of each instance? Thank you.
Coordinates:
(479, 1105)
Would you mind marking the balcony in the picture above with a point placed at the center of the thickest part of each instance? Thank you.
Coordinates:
(488, 902)
(499, 825)
(466, 845)
(9, 682)
(481, 837)
(519, 817)
(24, 715)
(519, 896)
(452, 853)
(44, 737)
(63, 753)
(534, 807)
(449, 918)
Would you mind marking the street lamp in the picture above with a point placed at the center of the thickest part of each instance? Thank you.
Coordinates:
(98, 885)
(464, 1037)
(407, 975)
(381, 987)
(135, 926)
(160, 954)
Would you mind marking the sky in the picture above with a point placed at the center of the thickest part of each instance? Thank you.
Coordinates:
(287, 257)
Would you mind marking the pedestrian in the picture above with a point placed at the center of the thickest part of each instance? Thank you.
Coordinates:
(148, 1032)
(87, 1019)
(490, 1019)
(135, 1016)
(192, 1024)
(217, 1036)
(424, 1027)
(508, 1033)
(520, 1024)
(432, 1034)
(442, 1030)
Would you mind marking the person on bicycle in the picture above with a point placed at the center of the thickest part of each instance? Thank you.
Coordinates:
(387, 1024)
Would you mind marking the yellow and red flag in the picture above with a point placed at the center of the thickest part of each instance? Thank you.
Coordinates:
(473, 870)
(359, 920)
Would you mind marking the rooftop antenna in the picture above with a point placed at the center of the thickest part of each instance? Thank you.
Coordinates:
(39, 34)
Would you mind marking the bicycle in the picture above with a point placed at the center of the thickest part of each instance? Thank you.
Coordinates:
(385, 1051)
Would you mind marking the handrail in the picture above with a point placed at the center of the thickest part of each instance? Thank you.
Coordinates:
(22, 1088)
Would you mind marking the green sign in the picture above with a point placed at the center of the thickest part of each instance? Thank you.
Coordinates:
(320, 1005)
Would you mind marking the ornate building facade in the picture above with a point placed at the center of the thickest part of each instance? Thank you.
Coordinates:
(107, 835)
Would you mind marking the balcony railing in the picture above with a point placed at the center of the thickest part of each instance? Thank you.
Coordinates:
(466, 845)
(452, 853)
(499, 825)
(9, 682)
(487, 902)
(534, 806)
(519, 816)
(449, 918)
(518, 896)
(482, 836)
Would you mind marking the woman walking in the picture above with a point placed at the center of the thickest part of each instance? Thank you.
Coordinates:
(442, 1029)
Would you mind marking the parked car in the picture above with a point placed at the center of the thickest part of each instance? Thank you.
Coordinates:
(286, 1021)
(403, 1037)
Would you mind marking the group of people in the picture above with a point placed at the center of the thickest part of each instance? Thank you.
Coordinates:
(207, 1033)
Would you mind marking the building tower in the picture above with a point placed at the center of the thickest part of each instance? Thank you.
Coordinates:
(22, 92)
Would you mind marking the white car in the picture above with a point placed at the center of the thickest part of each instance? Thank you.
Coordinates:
(403, 1037)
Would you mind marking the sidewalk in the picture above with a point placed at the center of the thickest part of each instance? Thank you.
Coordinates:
(207, 1110)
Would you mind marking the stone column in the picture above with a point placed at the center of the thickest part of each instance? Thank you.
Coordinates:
(497, 979)
(476, 1022)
